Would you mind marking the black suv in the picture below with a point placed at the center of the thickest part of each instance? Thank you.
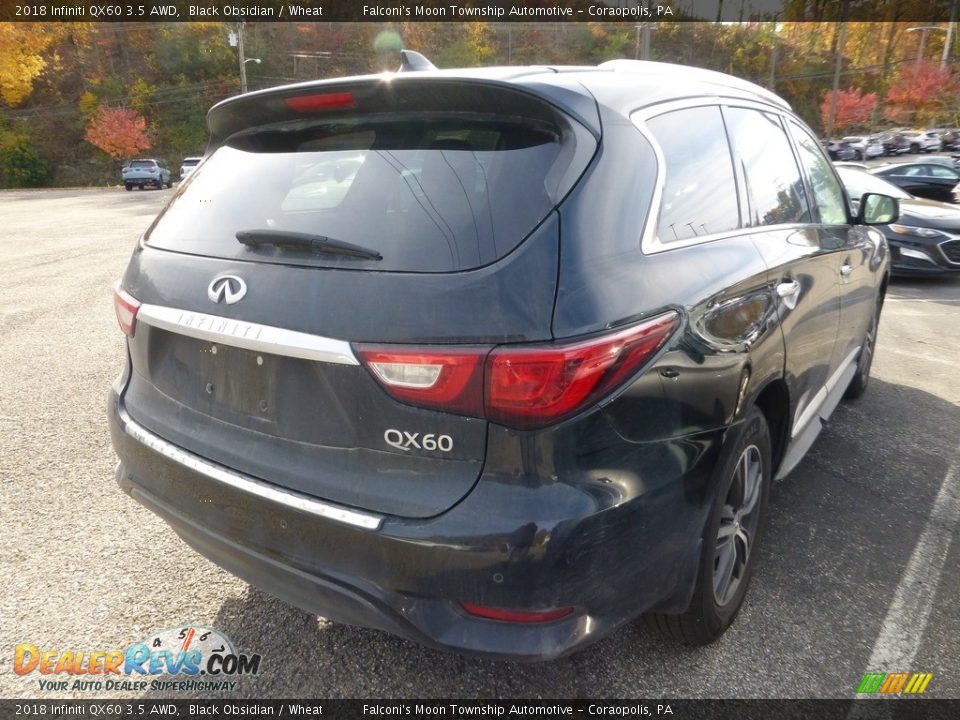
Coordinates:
(498, 359)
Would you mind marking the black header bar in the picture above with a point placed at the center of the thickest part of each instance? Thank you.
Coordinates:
(143, 709)
(628, 11)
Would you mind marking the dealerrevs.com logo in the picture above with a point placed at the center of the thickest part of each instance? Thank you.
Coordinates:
(188, 658)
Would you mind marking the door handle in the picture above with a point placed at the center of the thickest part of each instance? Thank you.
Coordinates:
(846, 269)
(789, 291)
(788, 288)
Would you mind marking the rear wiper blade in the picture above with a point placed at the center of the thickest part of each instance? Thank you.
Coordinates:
(317, 243)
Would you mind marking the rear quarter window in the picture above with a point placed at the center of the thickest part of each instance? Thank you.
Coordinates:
(699, 194)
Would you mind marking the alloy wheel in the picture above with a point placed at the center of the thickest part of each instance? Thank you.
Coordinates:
(739, 519)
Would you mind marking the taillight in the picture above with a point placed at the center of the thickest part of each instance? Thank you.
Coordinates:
(126, 307)
(321, 102)
(534, 386)
(520, 386)
(515, 616)
(449, 380)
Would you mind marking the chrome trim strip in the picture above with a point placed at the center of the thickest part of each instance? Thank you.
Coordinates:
(813, 407)
(244, 483)
(918, 255)
(247, 335)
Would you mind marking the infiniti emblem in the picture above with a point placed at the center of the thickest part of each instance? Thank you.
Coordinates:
(228, 288)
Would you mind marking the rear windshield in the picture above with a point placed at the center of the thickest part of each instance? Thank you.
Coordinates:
(143, 164)
(429, 192)
(191, 161)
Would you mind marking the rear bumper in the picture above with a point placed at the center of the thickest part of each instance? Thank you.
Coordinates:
(506, 545)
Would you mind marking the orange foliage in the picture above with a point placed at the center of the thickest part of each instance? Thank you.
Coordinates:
(119, 132)
(853, 108)
(921, 95)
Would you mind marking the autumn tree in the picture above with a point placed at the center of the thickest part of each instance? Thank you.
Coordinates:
(923, 94)
(119, 132)
(853, 108)
(21, 57)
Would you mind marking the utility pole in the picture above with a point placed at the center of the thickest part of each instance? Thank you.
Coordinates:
(923, 41)
(836, 71)
(923, 30)
(945, 58)
(773, 60)
(243, 61)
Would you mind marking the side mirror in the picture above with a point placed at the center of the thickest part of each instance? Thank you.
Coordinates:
(877, 209)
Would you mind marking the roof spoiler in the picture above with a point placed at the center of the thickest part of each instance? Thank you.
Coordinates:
(412, 61)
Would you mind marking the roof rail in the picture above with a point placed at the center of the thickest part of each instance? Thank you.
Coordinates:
(681, 71)
(411, 61)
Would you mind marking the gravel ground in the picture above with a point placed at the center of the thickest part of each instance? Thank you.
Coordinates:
(86, 568)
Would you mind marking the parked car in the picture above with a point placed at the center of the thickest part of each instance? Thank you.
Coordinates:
(840, 150)
(188, 165)
(950, 140)
(925, 179)
(923, 141)
(926, 237)
(519, 383)
(143, 172)
(866, 147)
(950, 162)
(894, 144)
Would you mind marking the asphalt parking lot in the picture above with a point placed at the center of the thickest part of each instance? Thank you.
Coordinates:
(860, 570)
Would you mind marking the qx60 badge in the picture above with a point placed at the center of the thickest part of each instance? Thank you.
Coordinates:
(403, 440)
(228, 288)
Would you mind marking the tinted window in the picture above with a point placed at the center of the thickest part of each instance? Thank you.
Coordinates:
(700, 194)
(773, 179)
(431, 192)
(827, 191)
(941, 172)
(903, 170)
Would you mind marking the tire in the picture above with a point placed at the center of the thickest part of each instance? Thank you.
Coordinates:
(730, 541)
(858, 383)
(914, 148)
(857, 155)
(158, 183)
(128, 186)
(140, 186)
(170, 182)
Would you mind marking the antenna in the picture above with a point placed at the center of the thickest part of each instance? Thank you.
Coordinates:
(411, 61)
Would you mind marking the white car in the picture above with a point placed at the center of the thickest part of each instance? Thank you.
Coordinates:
(866, 147)
(189, 163)
(924, 141)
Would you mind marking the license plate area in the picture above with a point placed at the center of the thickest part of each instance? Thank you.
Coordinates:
(229, 383)
(239, 381)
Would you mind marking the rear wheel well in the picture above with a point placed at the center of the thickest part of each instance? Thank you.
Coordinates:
(774, 402)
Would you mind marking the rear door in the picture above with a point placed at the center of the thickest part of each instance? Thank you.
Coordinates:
(859, 247)
(369, 214)
(803, 259)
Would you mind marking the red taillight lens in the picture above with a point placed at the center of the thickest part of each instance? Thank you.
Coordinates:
(126, 307)
(516, 616)
(451, 380)
(319, 103)
(520, 386)
(528, 387)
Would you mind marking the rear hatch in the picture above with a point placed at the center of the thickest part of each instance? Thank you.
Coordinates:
(330, 222)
